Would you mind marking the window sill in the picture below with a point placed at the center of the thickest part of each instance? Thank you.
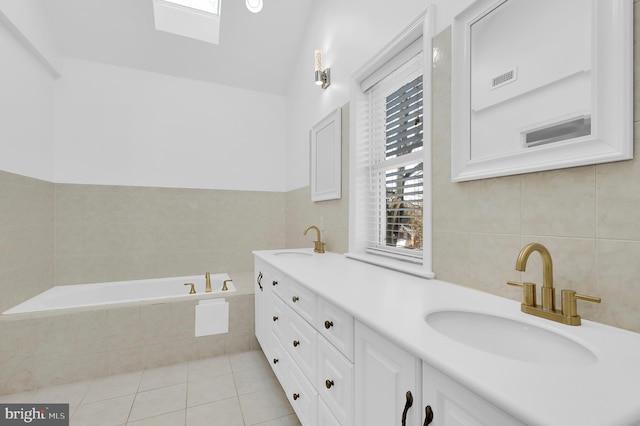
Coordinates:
(394, 264)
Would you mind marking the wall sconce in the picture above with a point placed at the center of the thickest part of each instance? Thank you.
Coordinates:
(323, 76)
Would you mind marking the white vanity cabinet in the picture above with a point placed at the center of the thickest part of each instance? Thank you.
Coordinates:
(309, 344)
(384, 375)
(454, 405)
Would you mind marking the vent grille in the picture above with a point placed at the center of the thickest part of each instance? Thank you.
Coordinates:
(502, 79)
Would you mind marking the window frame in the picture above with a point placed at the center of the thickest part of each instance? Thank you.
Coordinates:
(419, 30)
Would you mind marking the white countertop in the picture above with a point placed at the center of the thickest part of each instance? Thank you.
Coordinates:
(605, 393)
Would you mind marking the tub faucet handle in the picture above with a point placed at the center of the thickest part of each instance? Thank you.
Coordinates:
(207, 277)
(193, 288)
(224, 285)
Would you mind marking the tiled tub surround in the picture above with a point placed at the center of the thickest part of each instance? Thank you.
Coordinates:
(26, 238)
(57, 349)
(116, 233)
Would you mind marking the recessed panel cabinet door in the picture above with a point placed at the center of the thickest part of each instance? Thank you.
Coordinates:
(454, 405)
(388, 381)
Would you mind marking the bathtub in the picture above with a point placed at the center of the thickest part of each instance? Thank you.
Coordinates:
(121, 293)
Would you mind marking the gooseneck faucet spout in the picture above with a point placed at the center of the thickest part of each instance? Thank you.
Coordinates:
(318, 245)
(548, 292)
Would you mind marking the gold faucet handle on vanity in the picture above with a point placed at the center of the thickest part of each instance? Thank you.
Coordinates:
(318, 246)
(528, 292)
(570, 307)
(193, 288)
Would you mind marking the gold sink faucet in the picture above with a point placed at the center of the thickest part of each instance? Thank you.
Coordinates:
(548, 292)
(318, 245)
(569, 312)
(207, 277)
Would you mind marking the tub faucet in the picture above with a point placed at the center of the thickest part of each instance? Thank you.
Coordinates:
(207, 277)
(318, 245)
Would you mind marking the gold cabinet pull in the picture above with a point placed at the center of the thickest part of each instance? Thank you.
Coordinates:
(296, 396)
(407, 405)
(296, 343)
(275, 318)
(276, 360)
(295, 299)
(328, 324)
(428, 415)
(274, 283)
(328, 383)
(193, 288)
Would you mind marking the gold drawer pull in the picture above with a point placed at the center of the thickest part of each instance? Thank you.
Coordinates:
(295, 299)
(296, 343)
(328, 324)
(275, 318)
(276, 360)
(296, 396)
(328, 383)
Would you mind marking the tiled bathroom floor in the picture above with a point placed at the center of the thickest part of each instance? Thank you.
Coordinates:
(228, 390)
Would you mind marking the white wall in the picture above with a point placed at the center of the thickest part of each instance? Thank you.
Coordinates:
(118, 126)
(26, 107)
(349, 33)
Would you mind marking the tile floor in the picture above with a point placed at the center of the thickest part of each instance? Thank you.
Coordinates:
(228, 390)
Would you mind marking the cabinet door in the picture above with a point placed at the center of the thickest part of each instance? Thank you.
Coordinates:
(384, 374)
(454, 405)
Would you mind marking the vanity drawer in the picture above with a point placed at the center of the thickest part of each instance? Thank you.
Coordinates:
(301, 300)
(303, 397)
(277, 283)
(280, 361)
(337, 326)
(325, 416)
(278, 319)
(335, 381)
(302, 344)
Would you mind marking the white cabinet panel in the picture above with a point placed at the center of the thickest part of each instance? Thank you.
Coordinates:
(302, 344)
(455, 405)
(384, 374)
(337, 326)
(326, 417)
(335, 381)
(303, 397)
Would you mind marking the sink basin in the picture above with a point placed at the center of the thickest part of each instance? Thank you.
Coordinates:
(510, 338)
(293, 254)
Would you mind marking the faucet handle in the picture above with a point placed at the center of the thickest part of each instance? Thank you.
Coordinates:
(569, 305)
(528, 292)
(193, 289)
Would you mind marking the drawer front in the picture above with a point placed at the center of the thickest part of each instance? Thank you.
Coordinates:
(278, 319)
(277, 283)
(280, 362)
(302, 344)
(303, 397)
(337, 326)
(335, 381)
(325, 416)
(302, 301)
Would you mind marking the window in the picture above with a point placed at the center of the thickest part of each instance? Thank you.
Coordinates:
(390, 221)
(196, 19)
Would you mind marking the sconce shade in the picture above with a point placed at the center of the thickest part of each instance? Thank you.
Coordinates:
(322, 77)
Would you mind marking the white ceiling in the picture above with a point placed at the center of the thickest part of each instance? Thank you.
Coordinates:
(256, 51)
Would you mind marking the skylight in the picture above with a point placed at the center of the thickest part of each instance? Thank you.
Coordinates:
(209, 6)
(197, 19)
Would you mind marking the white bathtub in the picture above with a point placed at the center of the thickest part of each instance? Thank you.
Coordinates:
(121, 293)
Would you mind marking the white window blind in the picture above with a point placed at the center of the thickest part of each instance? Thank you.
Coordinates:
(395, 175)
